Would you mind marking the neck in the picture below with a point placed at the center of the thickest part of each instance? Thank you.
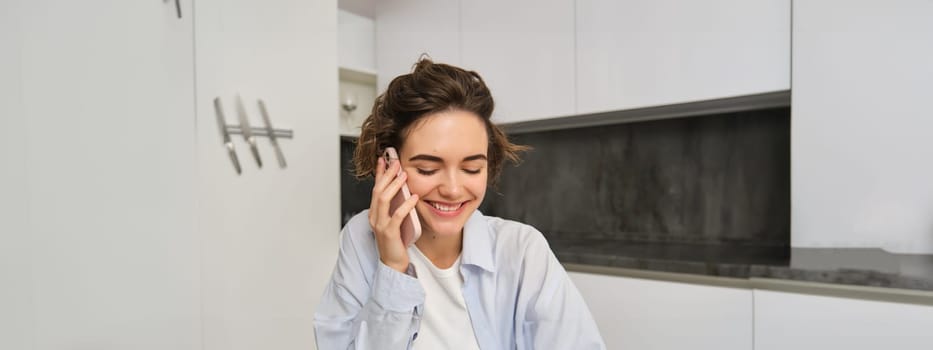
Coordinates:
(442, 250)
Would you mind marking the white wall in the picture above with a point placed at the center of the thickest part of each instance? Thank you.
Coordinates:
(356, 41)
(862, 127)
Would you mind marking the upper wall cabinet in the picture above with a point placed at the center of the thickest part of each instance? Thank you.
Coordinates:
(407, 28)
(524, 50)
(356, 36)
(640, 53)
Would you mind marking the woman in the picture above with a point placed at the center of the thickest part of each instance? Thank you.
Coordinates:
(471, 281)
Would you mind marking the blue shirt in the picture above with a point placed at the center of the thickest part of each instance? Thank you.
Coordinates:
(517, 294)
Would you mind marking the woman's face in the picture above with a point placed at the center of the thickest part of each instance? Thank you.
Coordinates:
(444, 155)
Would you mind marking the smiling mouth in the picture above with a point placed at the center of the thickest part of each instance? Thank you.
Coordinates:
(446, 207)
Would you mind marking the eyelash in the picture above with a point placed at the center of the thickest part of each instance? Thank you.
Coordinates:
(431, 172)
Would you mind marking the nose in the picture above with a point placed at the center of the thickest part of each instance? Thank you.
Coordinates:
(451, 187)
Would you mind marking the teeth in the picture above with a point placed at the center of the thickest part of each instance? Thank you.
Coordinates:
(443, 207)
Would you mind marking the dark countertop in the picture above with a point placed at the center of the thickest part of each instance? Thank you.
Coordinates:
(846, 266)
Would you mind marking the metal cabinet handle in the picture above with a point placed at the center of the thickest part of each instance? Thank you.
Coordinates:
(178, 7)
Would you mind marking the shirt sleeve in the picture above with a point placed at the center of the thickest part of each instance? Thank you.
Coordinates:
(356, 314)
(554, 315)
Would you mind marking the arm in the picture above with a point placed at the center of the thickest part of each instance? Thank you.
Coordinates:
(357, 314)
(554, 314)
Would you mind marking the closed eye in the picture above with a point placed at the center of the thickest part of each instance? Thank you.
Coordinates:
(473, 171)
(426, 172)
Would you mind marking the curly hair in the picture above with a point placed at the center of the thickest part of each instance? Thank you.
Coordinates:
(430, 88)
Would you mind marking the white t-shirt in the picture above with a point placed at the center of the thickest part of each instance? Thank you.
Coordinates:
(446, 322)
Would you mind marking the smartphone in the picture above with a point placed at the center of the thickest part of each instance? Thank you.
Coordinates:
(411, 227)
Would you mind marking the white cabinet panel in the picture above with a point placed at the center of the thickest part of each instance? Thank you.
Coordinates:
(269, 235)
(525, 52)
(860, 135)
(644, 314)
(407, 28)
(798, 321)
(108, 102)
(356, 41)
(641, 53)
(16, 319)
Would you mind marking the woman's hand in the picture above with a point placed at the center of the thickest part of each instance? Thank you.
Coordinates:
(388, 227)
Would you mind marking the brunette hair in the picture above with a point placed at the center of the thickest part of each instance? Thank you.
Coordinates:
(428, 89)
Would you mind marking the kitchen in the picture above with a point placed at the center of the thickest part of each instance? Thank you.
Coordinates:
(734, 174)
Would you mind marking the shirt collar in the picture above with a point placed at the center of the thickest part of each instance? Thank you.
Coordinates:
(478, 243)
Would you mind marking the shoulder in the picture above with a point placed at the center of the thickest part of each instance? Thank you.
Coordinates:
(359, 235)
(359, 223)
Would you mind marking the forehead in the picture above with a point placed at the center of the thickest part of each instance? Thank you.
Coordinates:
(453, 134)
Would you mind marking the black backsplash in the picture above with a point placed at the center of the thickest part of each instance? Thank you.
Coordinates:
(701, 180)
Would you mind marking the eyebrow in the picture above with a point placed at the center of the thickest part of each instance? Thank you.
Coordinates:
(439, 160)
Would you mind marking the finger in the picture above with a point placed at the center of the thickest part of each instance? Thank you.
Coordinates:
(386, 175)
(404, 210)
(380, 166)
(385, 198)
(380, 173)
(379, 184)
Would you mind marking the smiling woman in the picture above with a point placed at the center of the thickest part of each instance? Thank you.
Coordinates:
(470, 281)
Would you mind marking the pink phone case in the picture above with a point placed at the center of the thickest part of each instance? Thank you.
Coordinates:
(411, 226)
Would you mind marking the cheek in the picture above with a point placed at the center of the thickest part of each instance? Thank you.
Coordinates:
(477, 186)
(420, 185)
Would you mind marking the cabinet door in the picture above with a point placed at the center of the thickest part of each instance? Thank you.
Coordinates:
(108, 120)
(642, 314)
(407, 28)
(525, 52)
(640, 53)
(862, 82)
(797, 321)
(269, 236)
(15, 275)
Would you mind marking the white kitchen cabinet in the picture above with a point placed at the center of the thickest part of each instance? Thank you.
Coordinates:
(407, 28)
(127, 227)
(798, 321)
(16, 319)
(269, 236)
(644, 314)
(356, 42)
(106, 247)
(860, 131)
(525, 52)
(641, 53)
